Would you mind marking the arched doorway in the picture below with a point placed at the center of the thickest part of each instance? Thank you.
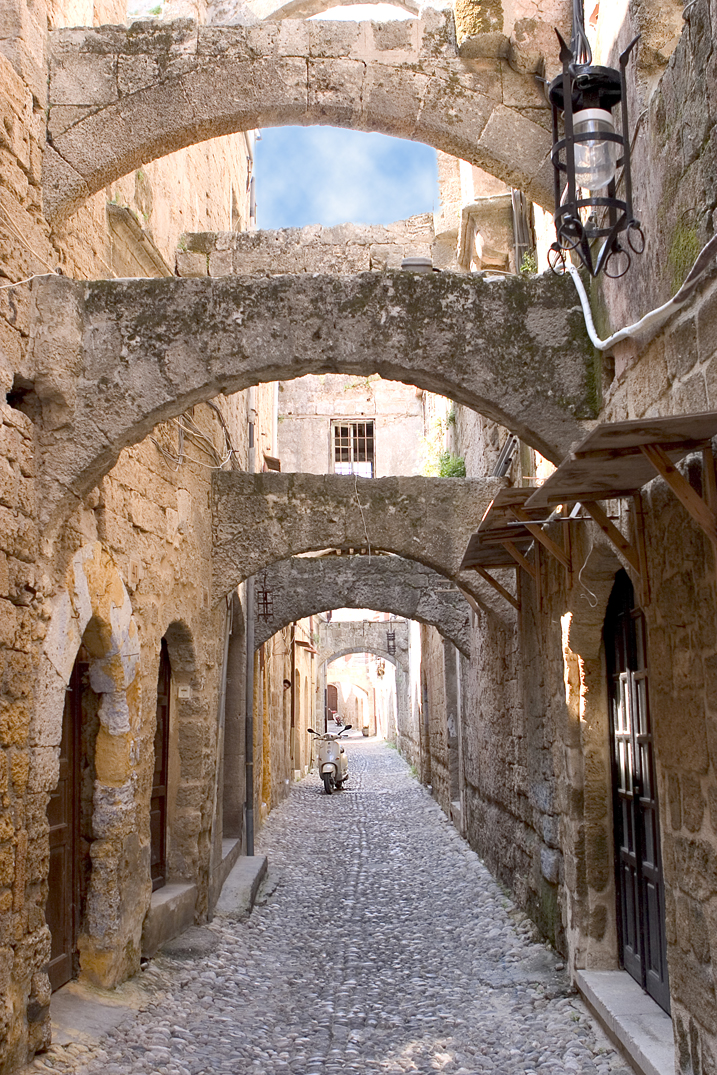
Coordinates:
(638, 860)
(69, 815)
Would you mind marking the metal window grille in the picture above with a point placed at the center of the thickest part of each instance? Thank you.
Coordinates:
(354, 448)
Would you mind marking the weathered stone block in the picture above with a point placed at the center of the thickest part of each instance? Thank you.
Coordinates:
(550, 864)
(190, 263)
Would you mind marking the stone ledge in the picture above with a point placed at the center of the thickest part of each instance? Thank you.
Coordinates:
(241, 886)
(171, 911)
(631, 1019)
(231, 850)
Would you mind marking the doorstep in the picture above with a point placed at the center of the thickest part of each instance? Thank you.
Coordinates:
(241, 886)
(171, 911)
(632, 1019)
(82, 1013)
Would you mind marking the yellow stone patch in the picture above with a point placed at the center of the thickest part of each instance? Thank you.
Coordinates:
(112, 758)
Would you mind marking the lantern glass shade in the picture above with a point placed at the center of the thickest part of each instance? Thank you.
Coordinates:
(595, 157)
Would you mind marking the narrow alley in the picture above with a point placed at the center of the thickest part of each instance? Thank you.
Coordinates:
(380, 943)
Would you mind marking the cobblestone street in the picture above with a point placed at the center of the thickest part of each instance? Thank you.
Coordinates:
(380, 944)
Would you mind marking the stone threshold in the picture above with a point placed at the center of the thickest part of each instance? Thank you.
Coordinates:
(632, 1020)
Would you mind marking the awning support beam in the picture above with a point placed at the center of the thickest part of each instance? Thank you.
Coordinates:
(691, 501)
(517, 555)
(540, 535)
(612, 533)
(497, 587)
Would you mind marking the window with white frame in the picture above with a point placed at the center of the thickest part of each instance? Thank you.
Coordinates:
(353, 448)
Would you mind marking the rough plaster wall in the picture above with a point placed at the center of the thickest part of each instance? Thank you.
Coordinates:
(437, 736)
(308, 404)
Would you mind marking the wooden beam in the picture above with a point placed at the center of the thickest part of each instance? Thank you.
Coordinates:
(520, 559)
(641, 548)
(540, 535)
(498, 588)
(613, 534)
(690, 500)
(709, 478)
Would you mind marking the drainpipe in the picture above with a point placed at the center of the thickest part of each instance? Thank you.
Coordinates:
(275, 422)
(292, 731)
(250, 612)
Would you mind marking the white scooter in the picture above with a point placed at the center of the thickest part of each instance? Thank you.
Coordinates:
(332, 761)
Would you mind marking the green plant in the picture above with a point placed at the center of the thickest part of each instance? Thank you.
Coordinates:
(528, 263)
(155, 10)
(450, 465)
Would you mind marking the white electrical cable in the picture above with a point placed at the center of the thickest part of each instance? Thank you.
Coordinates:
(651, 323)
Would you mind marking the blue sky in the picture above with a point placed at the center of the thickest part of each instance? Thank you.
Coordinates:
(326, 175)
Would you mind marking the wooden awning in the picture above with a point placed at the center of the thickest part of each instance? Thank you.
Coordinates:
(487, 546)
(617, 459)
(506, 532)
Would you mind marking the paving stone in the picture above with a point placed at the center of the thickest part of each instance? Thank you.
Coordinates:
(387, 946)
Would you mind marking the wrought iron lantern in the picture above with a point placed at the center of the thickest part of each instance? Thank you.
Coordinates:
(588, 157)
(264, 601)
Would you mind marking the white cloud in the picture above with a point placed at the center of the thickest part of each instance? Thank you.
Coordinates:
(324, 175)
(365, 13)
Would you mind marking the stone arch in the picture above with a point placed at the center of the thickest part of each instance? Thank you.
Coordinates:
(94, 607)
(114, 358)
(370, 645)
(120, 98)
(305, 586)
(260, 519)
(374, 650)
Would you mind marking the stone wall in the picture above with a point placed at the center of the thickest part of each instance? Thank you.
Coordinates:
(129, 566)
(346, 248)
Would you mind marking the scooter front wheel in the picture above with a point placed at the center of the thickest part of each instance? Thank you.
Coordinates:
(327, 783)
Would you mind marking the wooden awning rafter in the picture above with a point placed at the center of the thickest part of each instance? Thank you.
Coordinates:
(615, 461)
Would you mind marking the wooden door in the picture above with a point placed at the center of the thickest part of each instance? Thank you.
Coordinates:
(158, 804)
(63, 815)
(640, 889)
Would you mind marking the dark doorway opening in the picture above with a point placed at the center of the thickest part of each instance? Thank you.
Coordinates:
(158, 804)
(69, 814)
(638, 863)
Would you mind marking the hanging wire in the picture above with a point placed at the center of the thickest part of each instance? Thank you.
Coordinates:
(579, 44)
(35, 276)
(363, 517)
